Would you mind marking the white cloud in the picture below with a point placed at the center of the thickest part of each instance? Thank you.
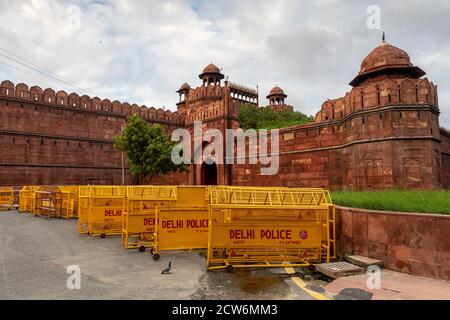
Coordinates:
(141, 51)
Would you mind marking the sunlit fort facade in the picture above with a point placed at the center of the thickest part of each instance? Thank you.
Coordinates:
(383, 133)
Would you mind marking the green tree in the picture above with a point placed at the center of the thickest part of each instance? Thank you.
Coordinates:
(252, 117)
(148, 149)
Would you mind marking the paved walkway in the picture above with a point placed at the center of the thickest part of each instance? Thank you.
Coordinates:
(35, 254)
(393, 286)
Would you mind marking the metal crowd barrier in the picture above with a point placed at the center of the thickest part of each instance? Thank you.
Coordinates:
(182, 225)
(100, 210)
(69, 203)
(6, 198)
(47, 202)
(138, 223)
(267, 227)
(25, 199)
(240, 227)
(84, 196)
(16, 193)
(34, 189)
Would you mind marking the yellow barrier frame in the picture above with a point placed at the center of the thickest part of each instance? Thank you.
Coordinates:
(138, 223)
(47, 202)
(189, 216)
(106, 204)
(224, 200)
(6, 198)
(69, 203)
(25, 199)
(84, 197)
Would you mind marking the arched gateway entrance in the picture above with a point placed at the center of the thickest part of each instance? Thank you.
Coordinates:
(209, 174)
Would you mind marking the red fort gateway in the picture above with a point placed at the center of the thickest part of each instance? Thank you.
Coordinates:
(383, 133)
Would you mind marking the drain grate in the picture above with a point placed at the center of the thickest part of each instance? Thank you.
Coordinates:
(338, 269)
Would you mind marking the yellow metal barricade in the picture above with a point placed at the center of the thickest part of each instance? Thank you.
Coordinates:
(138, 226)
(25, 199)
(47, 202)
(33, 198)
(266, 227)
(16, 193)
(182, 224)
(69, 203)
(6, 198)
(106, 207)
(84, 197)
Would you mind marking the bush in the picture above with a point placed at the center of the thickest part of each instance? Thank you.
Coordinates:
(252, 117)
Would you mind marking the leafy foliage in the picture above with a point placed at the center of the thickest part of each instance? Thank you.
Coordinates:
(148, 149)
(396, 200)
(252, 117)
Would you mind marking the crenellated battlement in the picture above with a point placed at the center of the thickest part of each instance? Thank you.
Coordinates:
(380, 94)
(73, 100)
(211, 91)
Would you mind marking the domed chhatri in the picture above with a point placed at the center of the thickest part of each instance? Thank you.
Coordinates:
(386, 59)
(211, 75)
(277, 99)
(184, 86)
(211, 68)
(276, 92)
(184, 91)
(385, 56)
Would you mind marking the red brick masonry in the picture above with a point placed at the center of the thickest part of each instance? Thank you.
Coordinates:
(413, 243)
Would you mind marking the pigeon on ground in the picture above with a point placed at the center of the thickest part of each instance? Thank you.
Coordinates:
(167, 270)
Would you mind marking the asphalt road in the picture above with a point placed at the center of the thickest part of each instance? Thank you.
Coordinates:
(35, 254)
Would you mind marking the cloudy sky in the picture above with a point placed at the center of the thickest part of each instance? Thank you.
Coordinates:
(142, 51)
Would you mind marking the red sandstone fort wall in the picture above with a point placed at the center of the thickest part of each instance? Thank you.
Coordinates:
(412, 243)
(172, 179)
(380, 93)
(35, 95)
(380, 135)
(370, 149)
(55, 138)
